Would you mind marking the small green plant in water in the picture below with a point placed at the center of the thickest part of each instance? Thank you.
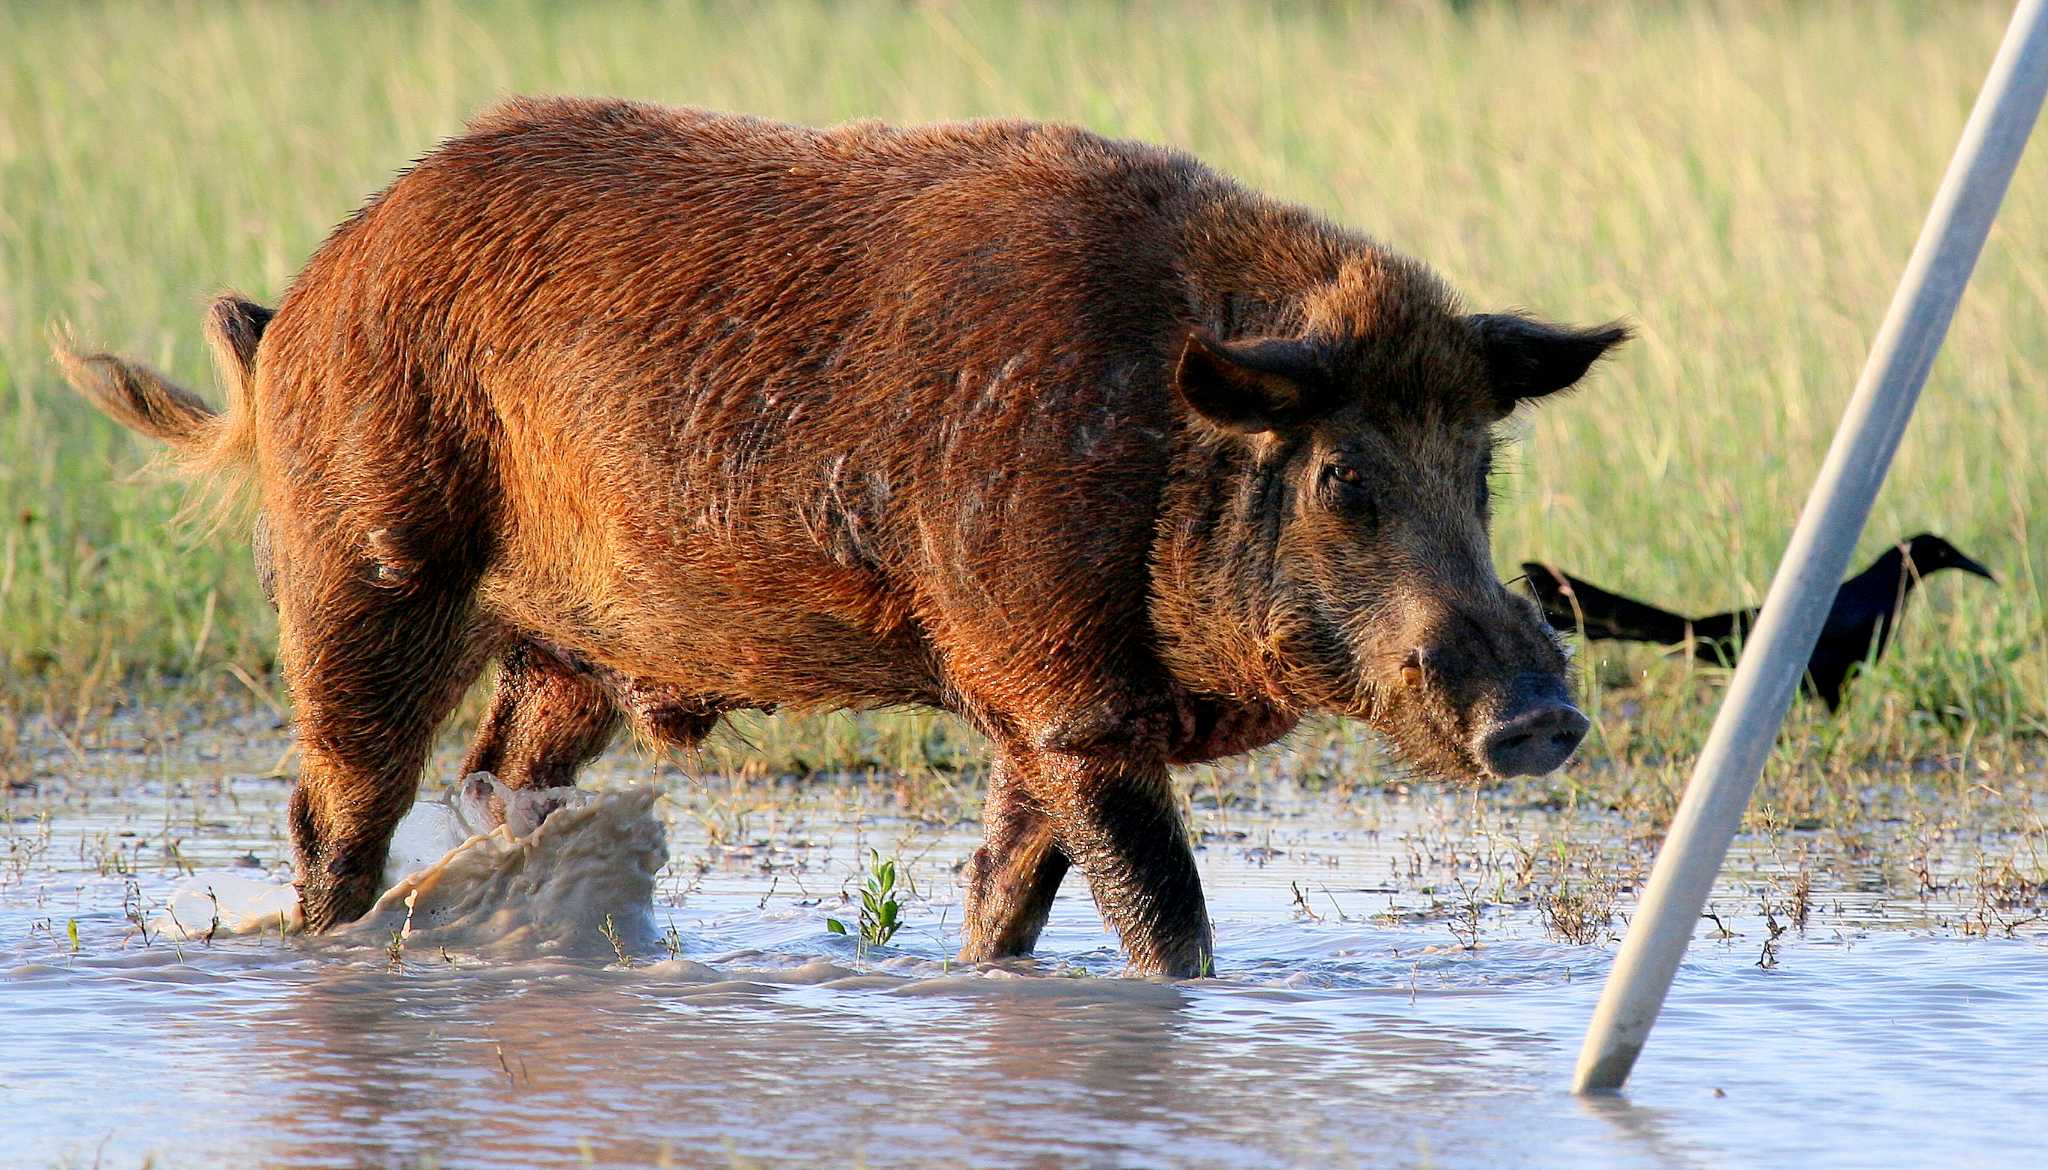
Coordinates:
(880, 912)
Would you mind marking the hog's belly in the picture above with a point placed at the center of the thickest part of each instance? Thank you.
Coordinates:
(744, 635)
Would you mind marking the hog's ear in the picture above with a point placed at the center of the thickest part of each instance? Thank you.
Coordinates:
(1250, 386)
(1527, 358)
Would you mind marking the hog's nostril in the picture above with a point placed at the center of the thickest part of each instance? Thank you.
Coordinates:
(1535, 741)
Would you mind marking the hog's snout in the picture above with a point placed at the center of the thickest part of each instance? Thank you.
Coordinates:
(1537, 731)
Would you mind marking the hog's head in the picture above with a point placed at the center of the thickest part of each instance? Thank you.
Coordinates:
(1324, 543)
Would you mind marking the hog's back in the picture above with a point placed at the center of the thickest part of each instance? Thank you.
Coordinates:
(838, 417)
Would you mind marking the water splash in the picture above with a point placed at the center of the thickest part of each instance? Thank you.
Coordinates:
(550, 892)
(586, 868)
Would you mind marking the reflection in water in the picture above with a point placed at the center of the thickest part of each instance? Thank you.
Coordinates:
(1643, 1127)
(502, 1065)
(318, 1055)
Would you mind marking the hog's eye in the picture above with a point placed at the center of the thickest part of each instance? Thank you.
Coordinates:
(1344, 487)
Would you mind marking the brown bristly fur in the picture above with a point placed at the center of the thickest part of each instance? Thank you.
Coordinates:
(675, 413)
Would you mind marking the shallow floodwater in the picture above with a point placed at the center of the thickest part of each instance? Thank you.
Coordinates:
(1398, 1012)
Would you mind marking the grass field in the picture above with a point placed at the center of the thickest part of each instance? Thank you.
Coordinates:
(1743, 182)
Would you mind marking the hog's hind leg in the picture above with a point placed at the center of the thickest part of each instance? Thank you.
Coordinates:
(546, 720)
(549, 718)
(374, 668)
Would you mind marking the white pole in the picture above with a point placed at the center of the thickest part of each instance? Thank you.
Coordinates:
(1804, 588)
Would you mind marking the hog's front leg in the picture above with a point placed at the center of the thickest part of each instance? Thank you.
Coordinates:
(1116, 819)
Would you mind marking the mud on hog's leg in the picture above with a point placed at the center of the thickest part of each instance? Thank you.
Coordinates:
(1012, 878)
(546, 721)
(1118, 822)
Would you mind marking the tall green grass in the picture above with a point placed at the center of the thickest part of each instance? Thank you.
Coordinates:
(1743, 182)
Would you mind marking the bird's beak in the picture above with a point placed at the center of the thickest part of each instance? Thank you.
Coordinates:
(1969, 566)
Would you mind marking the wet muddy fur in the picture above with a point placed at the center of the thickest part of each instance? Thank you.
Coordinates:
(672, 413)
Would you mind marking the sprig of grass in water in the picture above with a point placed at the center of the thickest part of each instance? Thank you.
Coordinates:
(611, 935)
(394, 951)
(672, 940)
(880, 912)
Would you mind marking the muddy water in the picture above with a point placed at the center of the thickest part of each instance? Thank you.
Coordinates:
(1408, 1009)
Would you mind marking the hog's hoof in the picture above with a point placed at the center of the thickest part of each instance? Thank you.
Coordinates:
(328, 905)
(1193, 959)
(1170, 972)
(976, 953)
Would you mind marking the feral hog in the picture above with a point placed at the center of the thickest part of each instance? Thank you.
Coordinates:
(674, 412)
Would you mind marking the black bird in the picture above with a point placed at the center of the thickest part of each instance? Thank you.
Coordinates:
(1858, 626)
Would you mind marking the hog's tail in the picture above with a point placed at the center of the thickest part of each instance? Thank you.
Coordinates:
(203, 441)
